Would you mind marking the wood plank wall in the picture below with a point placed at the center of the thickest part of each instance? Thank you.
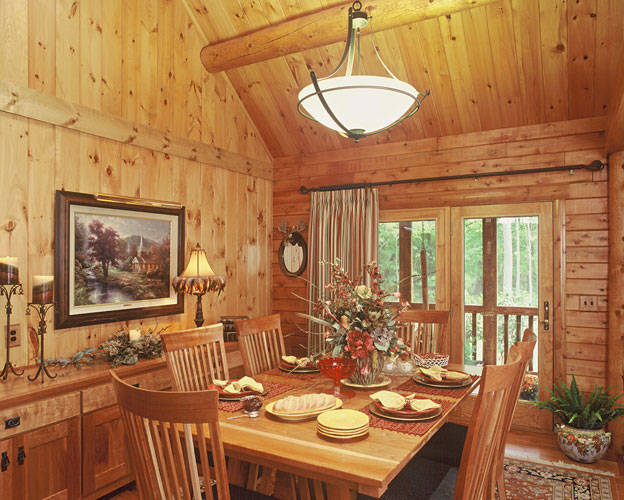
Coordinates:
(136, 59)
(584, 344)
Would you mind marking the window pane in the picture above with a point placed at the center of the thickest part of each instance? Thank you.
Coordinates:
(473, 262)
(408, 244)
(389, 255)
(517, 261)
(423, 244)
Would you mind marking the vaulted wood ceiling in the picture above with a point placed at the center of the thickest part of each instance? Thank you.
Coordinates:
(509, 63)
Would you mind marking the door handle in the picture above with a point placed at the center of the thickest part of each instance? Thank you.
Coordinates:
(21, 455)
(4, 462)
(546, 320)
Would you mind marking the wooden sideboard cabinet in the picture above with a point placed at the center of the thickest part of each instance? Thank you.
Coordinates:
(64, 439)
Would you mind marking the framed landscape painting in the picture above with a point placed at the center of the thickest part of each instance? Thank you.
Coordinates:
(115, 261)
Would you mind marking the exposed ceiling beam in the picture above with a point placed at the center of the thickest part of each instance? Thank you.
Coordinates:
(323, 28)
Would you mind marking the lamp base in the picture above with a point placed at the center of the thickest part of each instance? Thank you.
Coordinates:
(199, 314)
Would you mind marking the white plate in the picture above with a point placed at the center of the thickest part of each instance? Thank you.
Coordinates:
(299, 417)
(343, 420)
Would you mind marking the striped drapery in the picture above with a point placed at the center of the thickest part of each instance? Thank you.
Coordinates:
(343, 226)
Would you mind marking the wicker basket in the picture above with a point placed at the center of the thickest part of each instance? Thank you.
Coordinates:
(429, 359)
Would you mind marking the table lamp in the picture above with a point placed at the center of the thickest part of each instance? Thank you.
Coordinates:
(197, 279)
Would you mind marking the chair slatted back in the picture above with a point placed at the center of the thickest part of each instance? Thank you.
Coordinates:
(166, 436)
(424, 331)
(488, 428)
(261, 343)
(196, 357)
(522, 352)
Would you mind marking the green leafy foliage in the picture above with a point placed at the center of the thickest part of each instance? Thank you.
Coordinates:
(118, 349)
(571, 407)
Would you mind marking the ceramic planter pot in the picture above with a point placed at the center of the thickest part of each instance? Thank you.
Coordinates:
(582, 445)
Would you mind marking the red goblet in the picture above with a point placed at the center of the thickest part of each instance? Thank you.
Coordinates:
(336, 369)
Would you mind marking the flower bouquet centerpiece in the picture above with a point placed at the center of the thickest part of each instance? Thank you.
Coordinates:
(358, 323)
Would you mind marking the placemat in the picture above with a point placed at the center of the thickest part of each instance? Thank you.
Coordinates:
(300, 376)
(412, 428)
(412, 386)
(273, 388)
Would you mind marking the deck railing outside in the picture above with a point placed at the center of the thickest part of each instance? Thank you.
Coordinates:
(510, 321)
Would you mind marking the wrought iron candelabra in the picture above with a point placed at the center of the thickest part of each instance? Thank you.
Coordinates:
(8, 291)
(41, 310)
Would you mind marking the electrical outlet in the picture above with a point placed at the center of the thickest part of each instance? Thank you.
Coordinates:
(589, 303)
(15, 336)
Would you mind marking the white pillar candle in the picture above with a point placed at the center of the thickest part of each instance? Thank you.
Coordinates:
(134, 335)
(43, 289)
(9, 271)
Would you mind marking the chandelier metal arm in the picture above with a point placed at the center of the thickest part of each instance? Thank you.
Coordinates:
(321, 97)
(345, 54)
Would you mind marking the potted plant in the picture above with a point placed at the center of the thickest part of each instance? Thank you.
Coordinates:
(581, 433)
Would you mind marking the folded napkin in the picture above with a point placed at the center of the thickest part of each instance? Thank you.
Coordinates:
(291, 360)
(423, 404)
(456, 375)
(435, 372)
(389, 399)
(438, 373)
(244, 384)
(294, 360)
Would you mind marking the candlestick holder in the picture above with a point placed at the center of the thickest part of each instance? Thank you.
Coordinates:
(41, 310)
(8, 291)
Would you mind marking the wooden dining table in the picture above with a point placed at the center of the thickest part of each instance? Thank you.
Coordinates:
(311, 466)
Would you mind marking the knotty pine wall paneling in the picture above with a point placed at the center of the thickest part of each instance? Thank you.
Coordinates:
(139, 60)
(584, 194)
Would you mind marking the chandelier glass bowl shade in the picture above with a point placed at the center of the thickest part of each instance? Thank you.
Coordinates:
(358, 105)
(363, 104)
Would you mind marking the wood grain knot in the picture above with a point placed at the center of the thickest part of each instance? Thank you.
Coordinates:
(10, 225)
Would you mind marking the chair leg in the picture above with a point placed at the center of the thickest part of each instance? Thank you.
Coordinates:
(500, 484)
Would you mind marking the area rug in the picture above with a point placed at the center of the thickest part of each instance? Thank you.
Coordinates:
(530, 481)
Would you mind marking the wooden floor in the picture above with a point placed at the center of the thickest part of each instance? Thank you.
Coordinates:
(532, 445)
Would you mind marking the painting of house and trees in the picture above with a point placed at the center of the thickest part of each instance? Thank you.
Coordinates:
(120, 259)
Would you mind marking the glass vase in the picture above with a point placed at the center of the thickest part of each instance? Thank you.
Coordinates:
(368, 370)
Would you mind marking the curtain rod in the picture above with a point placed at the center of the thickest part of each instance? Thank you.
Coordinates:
(594, 166)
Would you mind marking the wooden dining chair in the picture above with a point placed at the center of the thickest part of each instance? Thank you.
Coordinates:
(424, 331)
(523, 352)
(475, 479)
(261, 343)
(166, 436)
(196, 357)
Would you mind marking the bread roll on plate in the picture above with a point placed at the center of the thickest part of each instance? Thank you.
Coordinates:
(293, 405)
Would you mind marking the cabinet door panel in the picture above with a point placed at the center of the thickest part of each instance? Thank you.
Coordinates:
(6, 476)
(52, 461)
(104, 455)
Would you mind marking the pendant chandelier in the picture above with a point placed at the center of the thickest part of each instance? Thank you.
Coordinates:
(358, 105)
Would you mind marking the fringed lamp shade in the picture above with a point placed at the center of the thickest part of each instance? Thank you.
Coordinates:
(197, 279)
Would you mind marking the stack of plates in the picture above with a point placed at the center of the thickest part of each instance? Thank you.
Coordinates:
(342, 424)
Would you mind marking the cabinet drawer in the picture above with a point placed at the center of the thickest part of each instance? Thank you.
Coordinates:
(39, 414)
(102, 395)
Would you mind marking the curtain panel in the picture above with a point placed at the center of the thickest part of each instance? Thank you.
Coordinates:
(344, 227)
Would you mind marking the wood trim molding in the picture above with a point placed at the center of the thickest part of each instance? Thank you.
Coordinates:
(322, 28)
(615, 125)
(36, 105)
(616, 289)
